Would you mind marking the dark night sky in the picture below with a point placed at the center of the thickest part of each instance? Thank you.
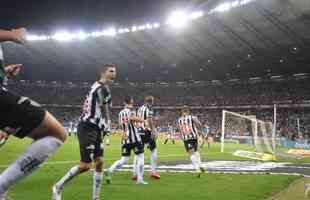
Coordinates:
(50, 15)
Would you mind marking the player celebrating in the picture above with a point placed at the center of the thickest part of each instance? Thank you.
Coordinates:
(95, 112)
(148, 135)
(188, 124)
(21, 117)
(131, 140)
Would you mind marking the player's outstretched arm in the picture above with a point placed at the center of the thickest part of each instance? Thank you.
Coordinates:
(15, 35)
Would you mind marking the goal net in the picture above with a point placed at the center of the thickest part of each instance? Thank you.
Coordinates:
(246, 132)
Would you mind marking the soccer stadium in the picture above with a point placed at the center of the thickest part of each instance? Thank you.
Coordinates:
(165, 99)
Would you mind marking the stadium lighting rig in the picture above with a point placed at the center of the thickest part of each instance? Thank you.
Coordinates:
(177, 19)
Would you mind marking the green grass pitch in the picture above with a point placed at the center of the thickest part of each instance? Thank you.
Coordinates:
(178, 186)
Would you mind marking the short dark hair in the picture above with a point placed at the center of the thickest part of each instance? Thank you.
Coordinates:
(149, 99)
(185, 108)
(104, 68)
(127, 99)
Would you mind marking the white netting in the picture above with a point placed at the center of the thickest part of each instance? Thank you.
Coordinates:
(246, 132)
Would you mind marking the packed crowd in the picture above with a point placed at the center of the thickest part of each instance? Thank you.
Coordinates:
(65, 102)
(226, 94)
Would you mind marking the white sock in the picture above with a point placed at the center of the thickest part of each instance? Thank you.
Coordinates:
(140, 167)
(97, 182)
(195, 162)
(153, 160)
(29, 161)
(134, 166)
(68, 177)
(197, 154)
(118, 164)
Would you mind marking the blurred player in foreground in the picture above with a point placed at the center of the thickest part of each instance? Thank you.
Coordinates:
(22, 117)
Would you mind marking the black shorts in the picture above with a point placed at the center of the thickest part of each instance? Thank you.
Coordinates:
(148, 140)
(191, 144)
(136, 147)
(90, 140)
(19, 115)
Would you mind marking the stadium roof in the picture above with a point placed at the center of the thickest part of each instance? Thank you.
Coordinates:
(260, 38)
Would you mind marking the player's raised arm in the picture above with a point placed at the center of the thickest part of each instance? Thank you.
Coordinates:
(15, 35)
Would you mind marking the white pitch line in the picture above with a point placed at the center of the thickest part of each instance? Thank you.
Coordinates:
(76, 161)
(184, 171)
(221, 172)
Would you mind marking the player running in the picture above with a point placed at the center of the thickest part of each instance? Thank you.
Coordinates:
(22, 117)
(96, 112)
(188, 125)
(131, 141)
(148, 135)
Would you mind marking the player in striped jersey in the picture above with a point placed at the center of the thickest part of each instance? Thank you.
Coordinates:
(131, 141)
(96, 112)
(189, 125)
(148, 135)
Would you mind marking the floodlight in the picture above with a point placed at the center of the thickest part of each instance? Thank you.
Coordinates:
(149, 26)
(196, 15)
(82, 35)
(36, 37)
(134, 29)
(178, 19)
(156, 25)
(110, 32)
(63, 36)
(223, 7)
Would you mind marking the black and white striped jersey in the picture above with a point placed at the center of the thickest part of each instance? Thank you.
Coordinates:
(145, 112)
(187, 127)
(98, 96)
(128, 126)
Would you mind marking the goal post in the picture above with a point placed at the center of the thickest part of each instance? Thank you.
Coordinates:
(247, 132)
